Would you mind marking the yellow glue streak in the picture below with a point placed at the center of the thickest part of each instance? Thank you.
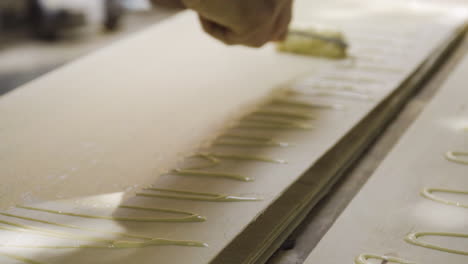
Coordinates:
(336, 87)
(413, 238)
(350, 79)
(108, 243)
(190, 218)
(339, 93)
(270, 126)
(283, 113)
(363, 259)
(293, 102)
(244, 157)
(213, 161)
(371, 68)
(120, 244)
(239, 143)
(248, 137)
(455, 156)
(195, 196)
(428, 194)
(268, 122)
(189, 172)
(77, 227)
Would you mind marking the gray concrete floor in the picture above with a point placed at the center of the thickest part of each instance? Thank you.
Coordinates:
(23, 59)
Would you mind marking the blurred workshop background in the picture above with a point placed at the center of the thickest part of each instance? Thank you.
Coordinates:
(37, 36)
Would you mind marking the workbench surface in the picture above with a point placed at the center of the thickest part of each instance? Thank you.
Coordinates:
(318, 222)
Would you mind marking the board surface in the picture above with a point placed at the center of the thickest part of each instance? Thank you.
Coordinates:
(126, 110)
(390, 206)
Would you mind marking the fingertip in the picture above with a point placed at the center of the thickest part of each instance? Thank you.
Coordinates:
(282, 35)
(215, 30)
(254, 42)
(255, 45)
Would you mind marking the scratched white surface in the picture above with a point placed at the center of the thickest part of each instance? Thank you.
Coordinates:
(389, 206)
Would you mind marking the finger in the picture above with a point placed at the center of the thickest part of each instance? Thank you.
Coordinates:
(272, 28)
(217, 31)
(261, 35)
(276, 30)
(252, 39)
(282, 23)
(227, 36)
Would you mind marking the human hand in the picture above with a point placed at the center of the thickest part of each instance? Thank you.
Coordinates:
(169, 3)
(247, 22)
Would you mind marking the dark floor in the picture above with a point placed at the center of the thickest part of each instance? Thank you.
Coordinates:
(9, 81)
